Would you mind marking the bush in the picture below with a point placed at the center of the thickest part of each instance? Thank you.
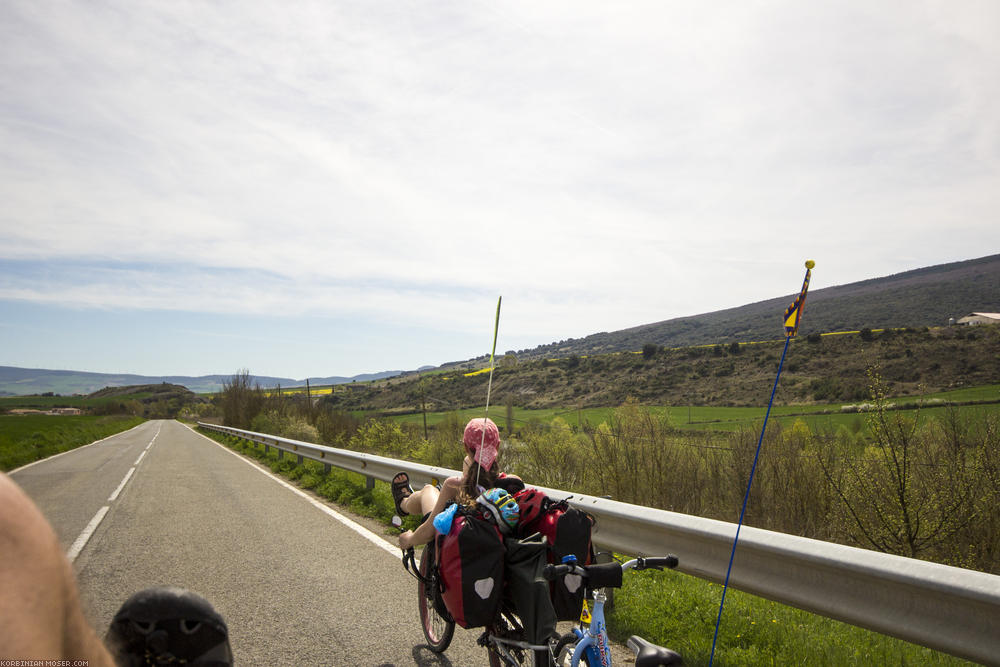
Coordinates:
(382, 437)
(443, 448)
(285, 426)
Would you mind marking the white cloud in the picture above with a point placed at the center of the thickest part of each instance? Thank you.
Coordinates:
(600, 165)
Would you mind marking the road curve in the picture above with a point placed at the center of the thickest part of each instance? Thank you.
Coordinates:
(296, 585)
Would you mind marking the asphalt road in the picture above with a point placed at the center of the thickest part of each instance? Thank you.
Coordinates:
(296, 585)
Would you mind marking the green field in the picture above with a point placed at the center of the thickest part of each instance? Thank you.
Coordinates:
(27, 438)
(48, 402)
(817, 417)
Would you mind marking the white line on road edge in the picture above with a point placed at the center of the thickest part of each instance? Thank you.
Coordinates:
(81, 541)
(377, 540)
(128, 476)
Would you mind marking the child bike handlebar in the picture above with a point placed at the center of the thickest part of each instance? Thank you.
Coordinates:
(608, 575)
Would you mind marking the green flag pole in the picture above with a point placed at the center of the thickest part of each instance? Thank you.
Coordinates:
(489, 384)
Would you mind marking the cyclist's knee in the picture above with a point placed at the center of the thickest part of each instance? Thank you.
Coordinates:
(40, 613)
(29, 544)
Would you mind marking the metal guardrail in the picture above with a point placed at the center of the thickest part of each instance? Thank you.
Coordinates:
(945, 608)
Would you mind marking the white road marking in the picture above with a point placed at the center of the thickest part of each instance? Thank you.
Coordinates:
(377, 540)
(81, 541)
(85, 536)
(128, 476)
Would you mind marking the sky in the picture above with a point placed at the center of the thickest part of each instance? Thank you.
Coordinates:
(339, 187)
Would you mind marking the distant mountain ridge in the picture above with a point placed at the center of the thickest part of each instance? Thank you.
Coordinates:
(24, 381)
(924, 297)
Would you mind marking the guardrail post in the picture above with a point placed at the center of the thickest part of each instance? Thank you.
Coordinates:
(369, 483)
(281, 454)
(326, 468)
(267, 449)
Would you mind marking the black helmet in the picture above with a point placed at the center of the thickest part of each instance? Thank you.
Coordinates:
(168, 626)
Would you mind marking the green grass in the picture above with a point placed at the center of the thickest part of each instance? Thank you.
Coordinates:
(988, 392)
(817, 417)
(27, 438)
(680, 611)
(47, 402)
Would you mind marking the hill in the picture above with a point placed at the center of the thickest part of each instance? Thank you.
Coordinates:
(819, 369)
(925, 297)
(28, 381)
(153, 401)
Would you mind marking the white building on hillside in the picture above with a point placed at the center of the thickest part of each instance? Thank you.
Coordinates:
(980, 318)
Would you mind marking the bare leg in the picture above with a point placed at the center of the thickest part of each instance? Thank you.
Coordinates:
(40, 613)
(421, 502)
(436, 501)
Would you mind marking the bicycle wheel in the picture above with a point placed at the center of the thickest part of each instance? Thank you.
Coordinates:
(504, 627)
(438, 630)
(564, 651)
(509, 626)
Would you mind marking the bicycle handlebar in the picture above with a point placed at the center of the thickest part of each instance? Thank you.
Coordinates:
(600, 571)
(409, 561)
(657, 563)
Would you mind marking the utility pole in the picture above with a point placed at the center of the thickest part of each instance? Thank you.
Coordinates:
(423, 405)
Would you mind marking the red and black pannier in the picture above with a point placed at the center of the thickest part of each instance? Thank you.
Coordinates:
(471, 565)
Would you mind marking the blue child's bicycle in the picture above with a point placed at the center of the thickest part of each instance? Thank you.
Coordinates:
(587, 644)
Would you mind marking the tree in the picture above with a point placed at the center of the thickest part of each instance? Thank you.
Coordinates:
(649, 350)
(906, 493)
(240, 401)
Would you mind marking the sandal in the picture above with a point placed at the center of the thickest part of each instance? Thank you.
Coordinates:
(400, 491)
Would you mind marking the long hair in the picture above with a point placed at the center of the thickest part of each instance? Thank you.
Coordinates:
(487, 479)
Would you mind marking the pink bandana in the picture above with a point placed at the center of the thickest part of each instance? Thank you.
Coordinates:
(485, 448)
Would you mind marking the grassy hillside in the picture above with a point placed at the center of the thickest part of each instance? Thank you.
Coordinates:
(818, 369)
(153, 401)
(925, 297)
(34, 381)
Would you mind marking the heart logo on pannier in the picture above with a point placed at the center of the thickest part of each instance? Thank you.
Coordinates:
(572, 582)
(484, 587)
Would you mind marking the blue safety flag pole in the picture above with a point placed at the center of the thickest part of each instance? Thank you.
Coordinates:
(793, 316)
